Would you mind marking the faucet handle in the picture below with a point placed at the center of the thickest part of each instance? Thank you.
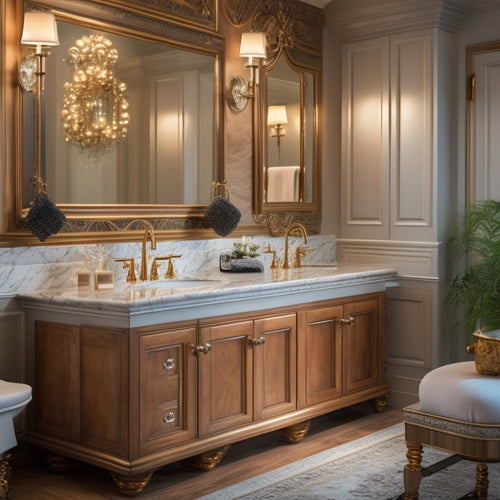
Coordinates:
(170, 274)
(154, 268)
(129, 264)
(300, 252)
(274, 264)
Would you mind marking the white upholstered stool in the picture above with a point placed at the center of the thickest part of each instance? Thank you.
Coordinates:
(459, 412)
(13, 399)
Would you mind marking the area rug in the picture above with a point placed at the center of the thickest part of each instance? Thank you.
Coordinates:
(369, 468)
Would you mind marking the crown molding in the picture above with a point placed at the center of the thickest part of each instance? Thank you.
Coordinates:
(359, 19)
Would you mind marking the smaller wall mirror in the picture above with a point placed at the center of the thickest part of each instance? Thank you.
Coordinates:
(287, 163)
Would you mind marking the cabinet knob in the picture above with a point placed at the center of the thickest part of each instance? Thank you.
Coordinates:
(203, 349)
(258, 341)
(169, 417)
(347, 321)
(169, 364)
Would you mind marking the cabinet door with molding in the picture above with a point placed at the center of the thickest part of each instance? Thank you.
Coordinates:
(275, 374)
(225, 376)
(320, 355)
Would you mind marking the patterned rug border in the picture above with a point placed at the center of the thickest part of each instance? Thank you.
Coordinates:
(304, 465)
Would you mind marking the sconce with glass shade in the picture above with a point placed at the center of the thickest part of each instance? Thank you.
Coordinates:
(40, 30)
(253, 45)
(276, 119)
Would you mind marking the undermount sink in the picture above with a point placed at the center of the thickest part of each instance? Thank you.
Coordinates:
(178, 283)
(327, 264)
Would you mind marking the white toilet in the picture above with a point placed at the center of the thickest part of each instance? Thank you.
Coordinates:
(13, 399)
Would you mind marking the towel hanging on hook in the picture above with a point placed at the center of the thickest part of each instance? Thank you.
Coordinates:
(44, 217)
(222, 216)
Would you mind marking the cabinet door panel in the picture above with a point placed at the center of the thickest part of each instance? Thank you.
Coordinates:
(323, 344)
(167, 388)
(361, 345)
(104, 382)
(56, 393)
(275, 366)
(225, 377)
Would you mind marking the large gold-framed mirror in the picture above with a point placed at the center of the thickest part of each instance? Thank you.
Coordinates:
(163, 167)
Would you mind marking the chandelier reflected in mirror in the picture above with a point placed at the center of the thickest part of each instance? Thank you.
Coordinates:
(95, 108)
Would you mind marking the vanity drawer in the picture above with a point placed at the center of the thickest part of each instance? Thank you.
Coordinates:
(167, 388)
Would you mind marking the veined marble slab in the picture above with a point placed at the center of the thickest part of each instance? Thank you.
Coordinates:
(32, 268)
(228, 293)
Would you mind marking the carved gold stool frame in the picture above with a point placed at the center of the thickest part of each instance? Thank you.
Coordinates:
(480, 442)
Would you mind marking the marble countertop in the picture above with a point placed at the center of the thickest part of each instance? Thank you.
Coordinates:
(216, 292)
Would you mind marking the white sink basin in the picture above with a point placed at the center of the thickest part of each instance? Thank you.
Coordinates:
(327, 264)
(178, 283)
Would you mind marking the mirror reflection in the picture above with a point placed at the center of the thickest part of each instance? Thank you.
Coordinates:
(288, 154)
(167, 153)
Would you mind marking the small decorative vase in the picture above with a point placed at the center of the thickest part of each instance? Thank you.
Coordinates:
(486, 351)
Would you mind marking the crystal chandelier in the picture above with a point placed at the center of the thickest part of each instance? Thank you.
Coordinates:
(95, 109)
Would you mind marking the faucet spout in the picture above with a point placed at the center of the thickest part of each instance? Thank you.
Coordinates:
(294, 227)
(149, 232)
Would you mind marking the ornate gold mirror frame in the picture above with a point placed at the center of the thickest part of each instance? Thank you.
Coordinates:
(294, 35)
(185, 24)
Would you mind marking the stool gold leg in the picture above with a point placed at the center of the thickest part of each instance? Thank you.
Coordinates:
(413, 470)
(5, 471)
(482, 481)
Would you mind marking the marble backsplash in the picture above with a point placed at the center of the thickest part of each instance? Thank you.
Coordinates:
(34, 268)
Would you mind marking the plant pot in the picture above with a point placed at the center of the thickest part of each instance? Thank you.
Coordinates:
(486, 351)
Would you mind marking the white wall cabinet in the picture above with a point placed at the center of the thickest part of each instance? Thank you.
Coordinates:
(395, 178)
(392, 144)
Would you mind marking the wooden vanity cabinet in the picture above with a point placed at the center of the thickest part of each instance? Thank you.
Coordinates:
(132, 400)
(248, 373)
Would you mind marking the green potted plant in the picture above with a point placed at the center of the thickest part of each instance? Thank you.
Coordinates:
(477, 287)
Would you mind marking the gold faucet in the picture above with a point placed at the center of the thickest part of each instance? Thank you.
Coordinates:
(144, 262)
(296, 226)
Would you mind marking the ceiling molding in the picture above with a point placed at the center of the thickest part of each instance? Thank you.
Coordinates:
(358, 19)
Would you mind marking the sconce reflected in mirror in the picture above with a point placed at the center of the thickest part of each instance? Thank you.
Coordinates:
(95, 109)
(253, 46)
(276, 119)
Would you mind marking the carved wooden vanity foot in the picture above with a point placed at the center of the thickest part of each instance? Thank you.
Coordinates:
(5, 471)
(208, 460)
(380, 404)
(60, 463)
(131, 486)
(297, 432)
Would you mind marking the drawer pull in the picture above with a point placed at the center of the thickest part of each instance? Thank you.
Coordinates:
(203, 349)
(259, 341)
(347, 321)
(169, 418)
(169, 364)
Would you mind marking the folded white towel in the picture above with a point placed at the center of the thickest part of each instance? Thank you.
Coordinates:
(282, 184)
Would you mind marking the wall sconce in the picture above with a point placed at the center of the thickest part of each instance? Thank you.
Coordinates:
(39, 29)
(276, 118)
(253, 46)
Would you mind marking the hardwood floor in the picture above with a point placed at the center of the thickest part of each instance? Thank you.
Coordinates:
(244, 460)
